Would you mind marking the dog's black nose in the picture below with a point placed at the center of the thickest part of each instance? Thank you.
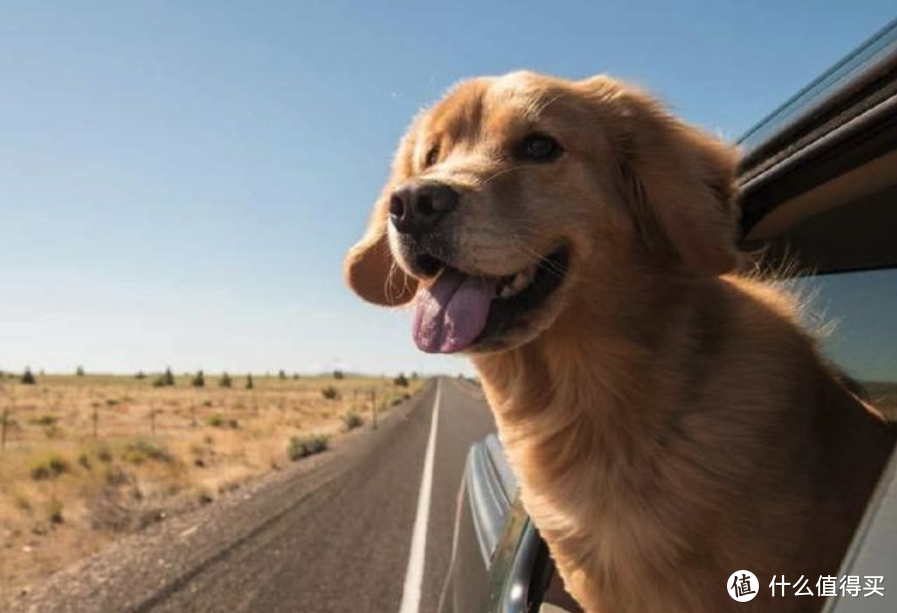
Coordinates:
(417, 207)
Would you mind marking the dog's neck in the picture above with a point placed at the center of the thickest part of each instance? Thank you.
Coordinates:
(601, 369)
(600, 388)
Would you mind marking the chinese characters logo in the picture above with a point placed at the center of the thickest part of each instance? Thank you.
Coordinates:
(743, 585)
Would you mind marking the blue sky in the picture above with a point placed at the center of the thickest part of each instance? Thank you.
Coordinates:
(180, 181)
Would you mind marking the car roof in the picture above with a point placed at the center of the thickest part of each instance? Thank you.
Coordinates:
(848, 75)
(842, 120)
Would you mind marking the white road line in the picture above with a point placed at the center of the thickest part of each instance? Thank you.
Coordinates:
(414, 575)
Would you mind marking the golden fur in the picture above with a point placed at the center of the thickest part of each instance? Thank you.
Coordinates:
(670, 421)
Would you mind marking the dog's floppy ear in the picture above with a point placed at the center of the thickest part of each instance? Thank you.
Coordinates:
(680, 180)
(369, 268)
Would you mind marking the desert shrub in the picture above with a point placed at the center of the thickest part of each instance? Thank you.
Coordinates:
(142, 450)
(111, 402)
(281, 375)
(140, 375)
(104, 454)
(21, 501)
(199, 380)
(352, 420)
(49, 467)
(304, 446)
(115, 476)
(79, 372)
(53, 431)
(41, 471)
(330, 393)
(54, 511)
(28, 377)
(296, 376)
(249, 384)
(84, 460)
(45, 420)
(401, 380)
(338, 374)
(207, 404)
(414, 376)
(219, 421)
(225, 381)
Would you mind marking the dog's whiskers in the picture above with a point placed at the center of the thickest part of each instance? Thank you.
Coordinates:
(499, 173)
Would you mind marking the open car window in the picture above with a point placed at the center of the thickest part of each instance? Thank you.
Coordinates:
(844, 260)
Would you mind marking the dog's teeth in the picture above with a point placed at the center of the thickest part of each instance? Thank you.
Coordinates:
(518, 283)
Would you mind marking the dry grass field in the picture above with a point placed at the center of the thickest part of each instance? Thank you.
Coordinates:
(88, 458)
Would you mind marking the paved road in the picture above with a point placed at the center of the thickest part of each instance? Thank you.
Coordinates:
(335, 538)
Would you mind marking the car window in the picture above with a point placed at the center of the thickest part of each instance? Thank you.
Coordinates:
(844, 265)
(855, 315)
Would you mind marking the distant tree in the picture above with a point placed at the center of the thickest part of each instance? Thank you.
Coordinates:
(413, 375)
(225, 380)
(28, 377)
(168, 377)
(338, 374)
(199, 380)
(401, 380)
(249, 384)
(140, 375)
(79, 372)
(281, 375)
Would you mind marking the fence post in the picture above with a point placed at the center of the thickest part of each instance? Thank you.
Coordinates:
(6, 411)
(3, 434)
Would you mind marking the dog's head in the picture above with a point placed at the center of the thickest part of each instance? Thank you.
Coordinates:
(513, 194)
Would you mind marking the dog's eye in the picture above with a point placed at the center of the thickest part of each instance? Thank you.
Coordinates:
(540, 148)
(432, 156)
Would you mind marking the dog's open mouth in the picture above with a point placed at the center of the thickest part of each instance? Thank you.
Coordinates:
(458, 310)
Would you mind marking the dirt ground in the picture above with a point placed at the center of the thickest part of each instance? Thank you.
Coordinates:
(87, 459)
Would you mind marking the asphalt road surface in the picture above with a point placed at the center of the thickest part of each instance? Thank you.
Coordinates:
(335, 537)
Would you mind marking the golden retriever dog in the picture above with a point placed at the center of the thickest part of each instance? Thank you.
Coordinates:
(669, 420)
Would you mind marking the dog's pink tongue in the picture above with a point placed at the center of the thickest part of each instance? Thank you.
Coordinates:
(452, 312)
